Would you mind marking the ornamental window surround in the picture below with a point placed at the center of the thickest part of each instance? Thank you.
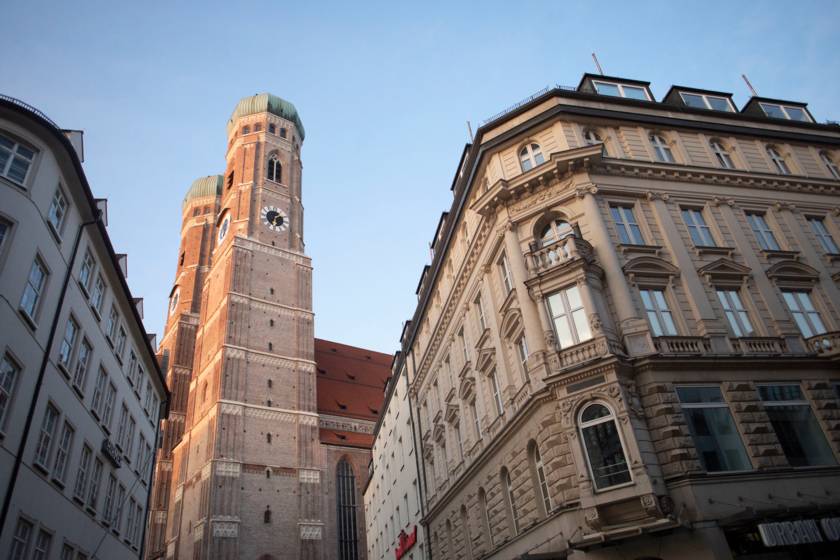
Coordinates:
(556, 230)
(698, 229)
(830, 165)
(603, 447)
(805, 314)
(658, 312)
(661, 148)
(530, 156)
(778, 160)
(568, 317)
(822, 234)
(721, 154)
(626, 225)
(736, 314)
(539, 478)
(510, 501)
(763, 233)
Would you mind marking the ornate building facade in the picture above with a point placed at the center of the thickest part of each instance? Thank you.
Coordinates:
(627, 341)
(269, 432)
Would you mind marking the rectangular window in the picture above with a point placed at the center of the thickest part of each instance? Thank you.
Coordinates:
(34, 288)
(476, 419)
(736, 315)
(807, 318)
(626, 225)
(82, 361)
(112, 324)
(147, 405)
(763, 233)
(119, 345)
(718, 443)
(9, 373)
(122, 427)
(479, 304)
(46, 436)
(621, 90)
(99, 392)
(68, 343)
(463, 339)
(659, 316)
(120, 502)
(799, 432)
(67, 552)
(95, 480)
(109, 508)
(497, 393)
(82, 474)
(141, 449)
(504, 269)
(98, 294)
(129, 438)
(522, 351)
(569, 317)
(701, 234)
(129, 522)
(132, 365)
(788, 112)
(704, 101)
(65, 445)
(823, 235)
(458, 440)
(15, 160)
(108, 406)
(86, 271)
(58, 211)
(23, 534)
(42, 545)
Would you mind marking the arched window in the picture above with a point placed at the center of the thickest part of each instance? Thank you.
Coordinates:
(661, 148)
(275, 170)
(173, 303)
(450, 544)
(510, 502)
(538, 474)
(778, 160)
(485, 515)
(282, 133)
(223, 228)
(555, 231)
(723, 157)
(272, 128)
(268, 438)
(530, 156)
(346, 501)
(267, 515)
(268, 473)
(830, 165)
(602, 445)
(465, 525)
(591, 137)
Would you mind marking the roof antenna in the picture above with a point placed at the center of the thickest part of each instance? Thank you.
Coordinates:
(749, 85)
(469, 131)
(597, 64)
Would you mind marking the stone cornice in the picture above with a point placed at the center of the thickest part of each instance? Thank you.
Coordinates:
(332, 422)
(270, 306)
(254, 245)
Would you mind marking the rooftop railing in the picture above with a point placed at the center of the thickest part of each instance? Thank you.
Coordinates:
(28, 107)
(528, 99)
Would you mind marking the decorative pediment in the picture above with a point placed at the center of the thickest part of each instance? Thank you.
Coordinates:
(511, 322)
(649, 268)
(792, 272)
(485, 359)
(451, 412)
(467, 387)
(439, 432)
(725, 271)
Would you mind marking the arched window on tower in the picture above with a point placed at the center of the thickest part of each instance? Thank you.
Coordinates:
(267, 515)
(275, 170)
(348, 541)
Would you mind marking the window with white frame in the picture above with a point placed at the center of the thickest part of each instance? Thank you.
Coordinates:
(530, 156)
(463, 339)
(830, 165)
(43, 542)
(108, 406)
(275, 170)
(5, 228)
(778, 160)
(9, 374)
(804, 313)
(109, 507)
(99, 392)
(798, 430)
(34, 289)
(497, 392)
(95, 481)
(706, 101)
(476, 419)
(628, 229)
(571, 326)
(112, 324)
(15, 159)
(456, 427)
(823, 235)
(68, 343)
(716, 438)
(698, 229)
(554, 231)
(482, 322)
(86, 271)
(661, 149)
(763, 234)
(522, 353)
(510, 501)
(789, 112)
(80, 488)
(46, 436)
(620, 90)
(57, 211)
(62, 454)
(659, 315)
(23, 534)
(540, 479)
(119, 344)
(120, 502)
(736, 314)
(603, 447)
(504, 270)
(122, 428)
(98, 294)
(721, 154)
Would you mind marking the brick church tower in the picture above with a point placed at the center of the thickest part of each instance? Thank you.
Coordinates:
(247, 465)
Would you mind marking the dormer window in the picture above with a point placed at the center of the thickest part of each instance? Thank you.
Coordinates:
(789, 112)
(621, 90)
(704, 101)
(661, 148)
(530, 156)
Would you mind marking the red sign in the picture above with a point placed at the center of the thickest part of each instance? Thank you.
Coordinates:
(406, 542)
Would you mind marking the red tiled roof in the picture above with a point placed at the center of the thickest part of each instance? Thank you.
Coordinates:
(351, 383)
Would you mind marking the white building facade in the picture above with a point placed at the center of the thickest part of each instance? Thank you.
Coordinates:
(81, 392)
(393, 504)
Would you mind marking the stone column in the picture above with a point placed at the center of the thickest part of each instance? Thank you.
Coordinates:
(519, 271)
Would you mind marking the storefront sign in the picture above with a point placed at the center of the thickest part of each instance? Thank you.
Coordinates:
(111, 452)
(804, 531)
(406, 541)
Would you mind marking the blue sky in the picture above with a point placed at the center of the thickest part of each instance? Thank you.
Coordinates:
(384, 91)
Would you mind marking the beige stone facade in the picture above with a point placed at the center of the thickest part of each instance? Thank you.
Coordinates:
(627, 342)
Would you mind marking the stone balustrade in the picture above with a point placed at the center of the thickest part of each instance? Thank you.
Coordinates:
(682, 345)
(565, 250)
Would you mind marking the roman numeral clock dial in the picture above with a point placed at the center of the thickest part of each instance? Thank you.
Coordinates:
(274, 218)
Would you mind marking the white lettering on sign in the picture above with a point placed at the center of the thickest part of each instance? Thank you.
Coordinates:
(787, 533)
(831, 528)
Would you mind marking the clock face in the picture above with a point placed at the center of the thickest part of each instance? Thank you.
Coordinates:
(274, 218)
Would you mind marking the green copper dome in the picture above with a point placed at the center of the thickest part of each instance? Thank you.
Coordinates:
(267, 103)
(206, 186)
